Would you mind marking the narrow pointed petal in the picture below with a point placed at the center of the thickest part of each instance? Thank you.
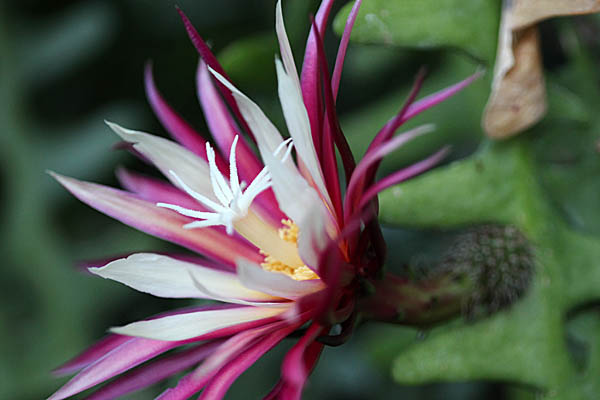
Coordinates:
(212, 62)
(128, 355)
(193, 325)
(231, 348)
(355, 188)
(294, 110)
(186, 387)
(298, 125)
(310, 81)
(403, 174)
(164, 276)
(294, 371)
(159, 222)
(437, 97)
(222, 381)
(284, 46)
(341, 55)
(293, 391)
(173, 122)
(169, 156)
(394, 123)
(93, 353)
(154, 372)
(254, 277)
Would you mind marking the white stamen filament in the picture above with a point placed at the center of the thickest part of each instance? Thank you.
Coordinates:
(234, 197)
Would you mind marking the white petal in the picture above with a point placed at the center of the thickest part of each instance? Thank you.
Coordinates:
(314, 236)
(284, 45)
(233, 300)
(194, 324)
(267, 135)
(169, 156)
(298, 125)
(266, 237)
(164, 276)
(254, 277)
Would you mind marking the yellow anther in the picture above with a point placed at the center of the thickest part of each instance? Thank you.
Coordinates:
(289, 233)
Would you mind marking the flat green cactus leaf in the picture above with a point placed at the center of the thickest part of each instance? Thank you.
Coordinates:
(471, 26)
(524, 344)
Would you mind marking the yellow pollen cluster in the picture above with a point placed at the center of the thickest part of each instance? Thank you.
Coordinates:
(288, 233)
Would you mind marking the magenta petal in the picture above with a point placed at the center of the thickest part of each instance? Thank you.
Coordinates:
(330, 131)
(93, 353)
(186, 387)
(339, 61)
(212, 62)
(232, 348)
(437, 97)
(332, 120)
(294, 369)
(403, 174)
(355, 188)
(393, 124)
(222, 125)
(275, 393)
(173, 122)
(311, 356)
(310, 79)
(219, 385)
(129, 354)
(154, 372)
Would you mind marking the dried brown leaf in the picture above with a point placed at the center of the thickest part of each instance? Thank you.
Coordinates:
(528, 12)
(518, 97)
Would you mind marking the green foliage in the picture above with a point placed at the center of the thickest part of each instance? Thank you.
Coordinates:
(471, 25)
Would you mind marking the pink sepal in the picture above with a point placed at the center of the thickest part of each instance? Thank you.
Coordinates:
(173, 122)
(218, 386)
(212, 62)
(402, 175)
(154, 372)
(372, 158)
(91, 354)
(341, 55)
(437, 97)
(311, 356)
(294, 369)
(128, 355)
(310, 80)
(230, 349)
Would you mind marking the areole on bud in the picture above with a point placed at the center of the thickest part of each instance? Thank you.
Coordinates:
(485, 269)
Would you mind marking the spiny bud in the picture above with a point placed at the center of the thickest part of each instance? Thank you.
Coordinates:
(499, 262)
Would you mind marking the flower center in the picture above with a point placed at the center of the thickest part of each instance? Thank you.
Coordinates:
(289, 233)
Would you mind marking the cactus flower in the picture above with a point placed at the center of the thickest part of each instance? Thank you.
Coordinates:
(285, 238)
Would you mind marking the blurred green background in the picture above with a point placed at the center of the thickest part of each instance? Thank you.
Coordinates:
(67, 65)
